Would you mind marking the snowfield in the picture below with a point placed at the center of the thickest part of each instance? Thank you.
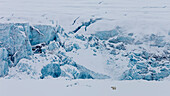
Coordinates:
(84, 47)
(134, 13)
(83, 88)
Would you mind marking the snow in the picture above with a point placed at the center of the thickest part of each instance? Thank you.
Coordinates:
(131, 13)
(83, 88)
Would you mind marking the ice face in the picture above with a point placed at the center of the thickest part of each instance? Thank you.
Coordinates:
(76, 46)
(14, 38)
(51, 70)
(126, 40)
(53, 46)
(105, 35)
(81, 37)
(157, 41)
(43, 34)
(3, 54)
(3, 62)
(151, 69)
(18, 38)
(3, 68)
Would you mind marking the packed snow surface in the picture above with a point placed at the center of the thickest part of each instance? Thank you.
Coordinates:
(83, 88)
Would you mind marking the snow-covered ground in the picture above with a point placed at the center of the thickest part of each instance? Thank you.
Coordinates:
(83, 88)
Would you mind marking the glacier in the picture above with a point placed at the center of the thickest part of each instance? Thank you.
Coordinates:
(46, 51)
(84, 47)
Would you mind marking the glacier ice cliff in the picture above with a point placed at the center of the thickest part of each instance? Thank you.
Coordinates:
(46, 51)
(21, 44)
